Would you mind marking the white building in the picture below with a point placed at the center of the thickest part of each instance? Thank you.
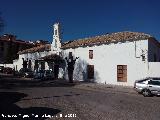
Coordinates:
(117, 58)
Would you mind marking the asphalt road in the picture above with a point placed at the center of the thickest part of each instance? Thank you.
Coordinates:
(70, 102)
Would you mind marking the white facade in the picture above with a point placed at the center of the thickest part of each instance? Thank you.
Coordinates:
(105, 61)
(154, 69)
(142, 58)
(18, 64)
(7, 65)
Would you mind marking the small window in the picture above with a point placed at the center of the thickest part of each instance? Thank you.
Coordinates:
(55, 32)
(154, 82)
(122, 73)
(90, 54)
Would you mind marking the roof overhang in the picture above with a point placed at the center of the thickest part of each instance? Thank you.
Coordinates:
(52, 57)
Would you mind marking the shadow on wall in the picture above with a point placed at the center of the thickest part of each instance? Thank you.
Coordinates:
(62, 69)
(96, 75)
(81, 72)
(9, 108)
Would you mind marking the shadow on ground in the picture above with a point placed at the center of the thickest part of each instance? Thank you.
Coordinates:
(11, 82)
(50, 97)
(9, 108)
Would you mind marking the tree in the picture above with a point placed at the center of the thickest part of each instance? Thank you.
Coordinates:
(71, 62)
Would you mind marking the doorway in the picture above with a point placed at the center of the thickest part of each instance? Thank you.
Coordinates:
(90, 71)
(29, 64)
(56, 71)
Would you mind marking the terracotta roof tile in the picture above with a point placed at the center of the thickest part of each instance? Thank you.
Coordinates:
(15, 41)
(40, 48)
(51, 57)
(113, 37)
(108, 38)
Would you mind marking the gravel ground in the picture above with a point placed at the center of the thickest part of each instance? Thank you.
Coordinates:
(79, 102)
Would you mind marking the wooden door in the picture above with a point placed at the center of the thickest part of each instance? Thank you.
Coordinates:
(90, 71)
(42, 65)
(122, 73)
(29, 64)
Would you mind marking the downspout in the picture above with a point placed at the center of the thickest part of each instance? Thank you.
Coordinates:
(140, 57)
(136, 50)
(148, 58)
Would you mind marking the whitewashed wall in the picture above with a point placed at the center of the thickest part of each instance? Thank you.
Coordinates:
(30, 56)
(7, 65)
(18, 63)
(154, 69)
(107, 57)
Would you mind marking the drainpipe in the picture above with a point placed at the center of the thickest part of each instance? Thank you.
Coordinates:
(148, 59)
(136, 50)
(142, 58)
(147, 67)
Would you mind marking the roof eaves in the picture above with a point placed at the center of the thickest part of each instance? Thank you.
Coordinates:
(120, 37)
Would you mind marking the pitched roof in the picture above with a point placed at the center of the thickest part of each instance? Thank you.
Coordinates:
(12, 38)
(113, 37)
(51, 57)
(108, 38)
(40, 48)
(23, 42)
(6, 39)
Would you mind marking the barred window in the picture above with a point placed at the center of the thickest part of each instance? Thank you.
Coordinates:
(122, 73)
(56, 32)
(90, 54)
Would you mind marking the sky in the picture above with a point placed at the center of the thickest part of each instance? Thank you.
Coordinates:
(34, 19)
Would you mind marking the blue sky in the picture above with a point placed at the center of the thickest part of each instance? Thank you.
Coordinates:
(33, 19)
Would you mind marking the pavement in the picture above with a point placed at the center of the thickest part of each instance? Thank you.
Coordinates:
(60, 100)
(106, 88)
(12, 82)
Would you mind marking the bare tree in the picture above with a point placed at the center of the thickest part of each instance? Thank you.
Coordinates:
(71, 62)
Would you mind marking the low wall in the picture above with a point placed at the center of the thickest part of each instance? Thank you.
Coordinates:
(7, 65)
(154, 69)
